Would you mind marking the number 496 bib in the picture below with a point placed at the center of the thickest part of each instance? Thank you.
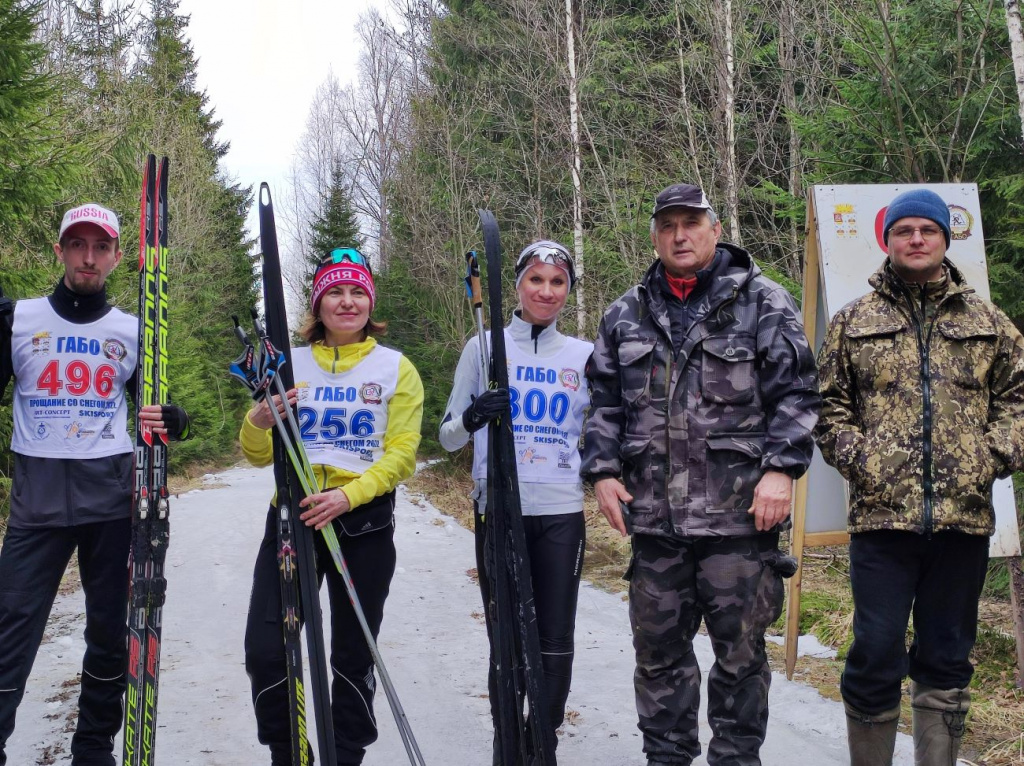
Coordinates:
(69, 400)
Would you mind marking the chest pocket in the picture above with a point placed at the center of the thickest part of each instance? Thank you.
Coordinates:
(969, 351)
(636, 358)
(877, 356)
(727, 372)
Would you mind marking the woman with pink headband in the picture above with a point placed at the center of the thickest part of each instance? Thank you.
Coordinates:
(548, 395)
(359, 405)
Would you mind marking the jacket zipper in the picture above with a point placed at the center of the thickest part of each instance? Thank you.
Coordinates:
(924, 344)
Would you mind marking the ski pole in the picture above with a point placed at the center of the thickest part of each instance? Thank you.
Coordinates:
(477, 303)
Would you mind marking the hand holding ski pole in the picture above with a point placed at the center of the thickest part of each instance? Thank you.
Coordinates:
(324, 507)
(261, 416)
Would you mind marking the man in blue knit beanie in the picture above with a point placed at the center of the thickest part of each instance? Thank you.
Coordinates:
(922, 386)
(917, 203)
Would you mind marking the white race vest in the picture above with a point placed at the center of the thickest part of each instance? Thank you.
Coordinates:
(343, 416)
(548, 397)
(69, 401)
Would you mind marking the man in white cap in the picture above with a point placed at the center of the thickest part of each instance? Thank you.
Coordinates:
(72, 356)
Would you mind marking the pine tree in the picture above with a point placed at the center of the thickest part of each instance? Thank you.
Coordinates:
(336, 223)
(36, 163)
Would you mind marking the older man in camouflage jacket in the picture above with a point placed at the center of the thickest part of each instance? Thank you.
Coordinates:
(703, 402)
(923, 389)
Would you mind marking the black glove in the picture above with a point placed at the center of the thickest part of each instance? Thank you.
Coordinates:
(175, 421)
(485, 408)
(786, 566)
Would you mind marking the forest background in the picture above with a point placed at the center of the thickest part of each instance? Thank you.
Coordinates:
(564, 117)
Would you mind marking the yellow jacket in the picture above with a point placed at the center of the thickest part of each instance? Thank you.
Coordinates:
(405, 412)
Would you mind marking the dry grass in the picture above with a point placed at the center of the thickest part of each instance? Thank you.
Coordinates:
(995, 735)
(607, 554)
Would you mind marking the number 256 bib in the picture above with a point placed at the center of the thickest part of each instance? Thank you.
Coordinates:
(344, 416)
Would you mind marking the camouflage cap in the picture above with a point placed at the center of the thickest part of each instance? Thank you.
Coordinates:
(681, 195)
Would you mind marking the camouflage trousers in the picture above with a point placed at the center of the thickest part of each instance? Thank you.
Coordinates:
(735, 585)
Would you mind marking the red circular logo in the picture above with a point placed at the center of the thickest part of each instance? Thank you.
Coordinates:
(879, 221)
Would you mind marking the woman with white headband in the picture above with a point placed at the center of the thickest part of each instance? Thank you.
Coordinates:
(360, 405)
(548, 395)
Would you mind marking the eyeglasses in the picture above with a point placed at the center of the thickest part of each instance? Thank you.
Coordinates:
(907, 232)
(343, 254)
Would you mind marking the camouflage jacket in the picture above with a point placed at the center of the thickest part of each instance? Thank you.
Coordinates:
(920, 414)
(691, 434)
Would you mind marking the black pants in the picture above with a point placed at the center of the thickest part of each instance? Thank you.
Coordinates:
(555, 545)
(32, 564)
(894, 575)
(371, 562)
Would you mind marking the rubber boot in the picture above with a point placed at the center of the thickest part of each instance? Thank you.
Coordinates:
(940, 718)
(871, 738)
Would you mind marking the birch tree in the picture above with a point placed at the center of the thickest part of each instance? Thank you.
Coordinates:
(577, 161)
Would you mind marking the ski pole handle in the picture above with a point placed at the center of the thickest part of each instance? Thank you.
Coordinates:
(473, 280)
(271, 359)
(244, 367)
(475, 296)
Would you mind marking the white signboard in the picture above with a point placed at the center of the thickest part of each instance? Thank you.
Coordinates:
(848, 222)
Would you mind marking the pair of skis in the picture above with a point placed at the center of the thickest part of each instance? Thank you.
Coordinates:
(150, 519)
(515, 645)
(266, 373)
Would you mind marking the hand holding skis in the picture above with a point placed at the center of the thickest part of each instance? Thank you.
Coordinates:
(324, 507)
(166, 419)
(489, 406)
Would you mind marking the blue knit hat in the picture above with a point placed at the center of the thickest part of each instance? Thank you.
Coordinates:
(917, 203)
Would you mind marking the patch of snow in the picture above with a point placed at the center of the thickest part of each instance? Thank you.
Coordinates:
(807, 646)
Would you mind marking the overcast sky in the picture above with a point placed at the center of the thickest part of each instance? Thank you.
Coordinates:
(260, 61)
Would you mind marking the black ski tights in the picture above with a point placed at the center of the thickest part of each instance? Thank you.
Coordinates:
(555, 545)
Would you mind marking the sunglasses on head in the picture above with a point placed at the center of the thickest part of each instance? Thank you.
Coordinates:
(345, 254)
(553, 256)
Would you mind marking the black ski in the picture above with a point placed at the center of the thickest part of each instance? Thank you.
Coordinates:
(516, 645)
(289, 494)
(256, 372)
(150, 522)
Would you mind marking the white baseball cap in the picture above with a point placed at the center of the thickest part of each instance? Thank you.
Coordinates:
(90, 212)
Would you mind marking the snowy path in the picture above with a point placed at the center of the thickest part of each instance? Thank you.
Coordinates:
(432, 640)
